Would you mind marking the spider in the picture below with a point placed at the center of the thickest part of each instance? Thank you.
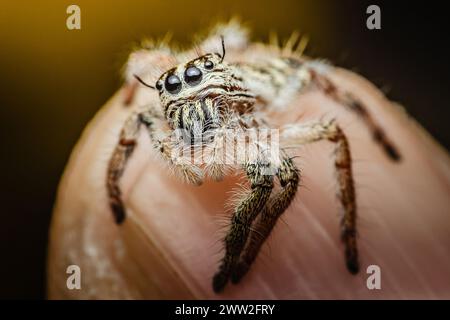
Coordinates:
(205, 96)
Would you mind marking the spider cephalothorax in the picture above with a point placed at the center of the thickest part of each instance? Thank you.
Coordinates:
(200, 95)
(210, 95)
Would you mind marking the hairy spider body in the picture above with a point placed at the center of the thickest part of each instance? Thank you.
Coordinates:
(201, 99)
(199, 106)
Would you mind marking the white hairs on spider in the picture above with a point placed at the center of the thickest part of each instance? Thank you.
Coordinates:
(219, 114)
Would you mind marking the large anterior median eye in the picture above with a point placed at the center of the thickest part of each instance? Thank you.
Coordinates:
(173, 84)
(192, 75)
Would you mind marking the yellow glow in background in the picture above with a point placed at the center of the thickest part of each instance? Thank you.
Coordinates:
(53, 80)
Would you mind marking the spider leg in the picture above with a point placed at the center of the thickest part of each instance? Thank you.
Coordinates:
(130, 91)
(308, 133)
(123, 151)
(352, 103)
(289, 177)
(182, 165)
(245, 213)
(117, 163)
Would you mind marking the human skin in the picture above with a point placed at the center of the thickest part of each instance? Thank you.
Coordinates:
(170, 243)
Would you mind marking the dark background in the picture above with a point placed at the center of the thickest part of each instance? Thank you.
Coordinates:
(54, 80)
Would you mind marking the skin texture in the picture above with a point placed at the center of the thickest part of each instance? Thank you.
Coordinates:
(169, 246)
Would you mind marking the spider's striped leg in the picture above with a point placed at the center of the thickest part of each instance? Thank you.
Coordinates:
(307, 133)
(123, 151)
(289, 177)
(129, 92)
(117, 163)
(245, 213)
(175, 153)
(352, 103)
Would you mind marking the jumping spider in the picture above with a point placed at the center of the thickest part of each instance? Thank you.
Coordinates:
(206, 95)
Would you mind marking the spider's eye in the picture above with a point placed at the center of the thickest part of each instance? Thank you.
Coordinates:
(192, 75)
(158, 85)
(208, 64)
(173, 84)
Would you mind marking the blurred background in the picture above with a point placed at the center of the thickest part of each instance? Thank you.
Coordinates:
(53, 81)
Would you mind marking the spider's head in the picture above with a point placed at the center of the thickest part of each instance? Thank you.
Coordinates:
(199, 95)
